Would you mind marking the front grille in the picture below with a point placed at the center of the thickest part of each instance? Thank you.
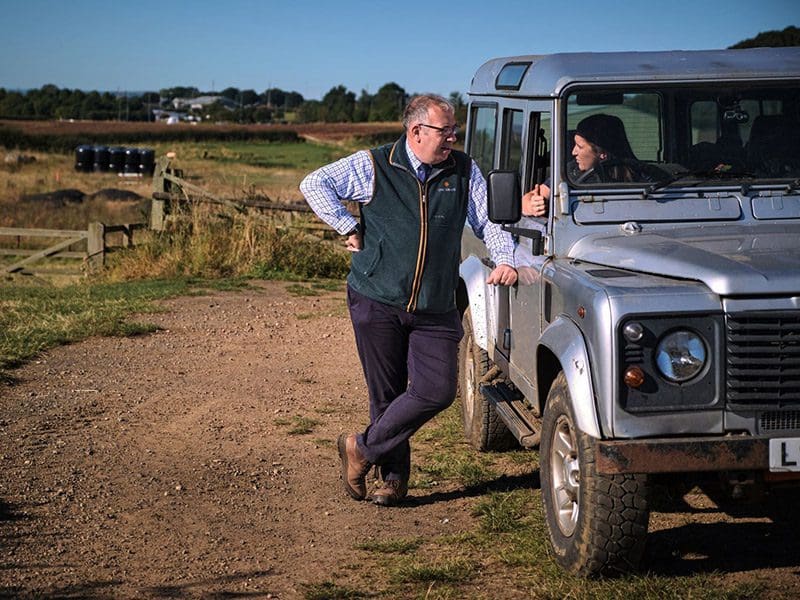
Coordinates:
(774, 420)
(763, 358)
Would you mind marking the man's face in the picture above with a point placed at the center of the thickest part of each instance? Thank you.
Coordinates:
(585, 153)
(427, 141)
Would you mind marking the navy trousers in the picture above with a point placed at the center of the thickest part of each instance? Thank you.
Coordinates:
(410, 363)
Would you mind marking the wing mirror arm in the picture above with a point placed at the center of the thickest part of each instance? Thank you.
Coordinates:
(534, 234)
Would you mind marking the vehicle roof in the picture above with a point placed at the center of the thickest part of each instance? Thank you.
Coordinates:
(549, 74)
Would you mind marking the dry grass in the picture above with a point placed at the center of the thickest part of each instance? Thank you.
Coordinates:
(205, 241)
(232, 170)
(52, 172)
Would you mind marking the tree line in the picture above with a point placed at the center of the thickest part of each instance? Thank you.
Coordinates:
(235, 105)
(774, 39)
(51, 102)
(248, 106)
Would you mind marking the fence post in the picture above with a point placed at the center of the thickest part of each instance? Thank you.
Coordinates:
(157, 213)
(95, 246)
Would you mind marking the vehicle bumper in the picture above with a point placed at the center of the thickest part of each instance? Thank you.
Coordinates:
(678, 455)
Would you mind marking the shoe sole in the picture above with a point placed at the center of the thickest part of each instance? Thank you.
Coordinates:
(342, 445)
(382, 500)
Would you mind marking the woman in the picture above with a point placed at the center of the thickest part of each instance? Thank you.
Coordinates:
(601, 154)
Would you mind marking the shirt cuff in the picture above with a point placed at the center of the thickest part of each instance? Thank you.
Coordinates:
(503, 258)
(346, 226)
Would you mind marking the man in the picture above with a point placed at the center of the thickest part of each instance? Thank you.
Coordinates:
(414, 197)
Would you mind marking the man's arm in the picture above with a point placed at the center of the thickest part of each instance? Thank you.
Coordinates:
(499, 243)
(348, 179)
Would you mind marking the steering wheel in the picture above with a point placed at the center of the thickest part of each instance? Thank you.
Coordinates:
(585, 175)
(600, 170)
(637, 169)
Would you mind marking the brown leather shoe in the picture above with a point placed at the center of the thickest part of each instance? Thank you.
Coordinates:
(354, 467)
(390, 493)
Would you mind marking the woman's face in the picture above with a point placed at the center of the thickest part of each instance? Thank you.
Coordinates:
(586, 155)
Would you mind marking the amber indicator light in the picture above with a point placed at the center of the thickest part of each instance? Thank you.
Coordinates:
(634, 377)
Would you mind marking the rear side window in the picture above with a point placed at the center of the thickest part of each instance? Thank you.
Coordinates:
(483, 132)
(511, 156)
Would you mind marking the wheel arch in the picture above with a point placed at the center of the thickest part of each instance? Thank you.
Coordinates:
(562, 348)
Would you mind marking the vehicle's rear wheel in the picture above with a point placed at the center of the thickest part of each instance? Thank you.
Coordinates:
(483, 427)
(597, 523)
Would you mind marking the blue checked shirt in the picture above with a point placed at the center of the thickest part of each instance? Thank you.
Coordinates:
(352, 179)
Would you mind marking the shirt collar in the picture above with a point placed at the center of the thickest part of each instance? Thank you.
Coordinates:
(412, 158)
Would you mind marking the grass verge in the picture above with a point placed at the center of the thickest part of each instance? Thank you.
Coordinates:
(34, 318)
(503, 551)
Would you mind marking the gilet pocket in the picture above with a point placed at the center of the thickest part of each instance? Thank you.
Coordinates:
(367, 260)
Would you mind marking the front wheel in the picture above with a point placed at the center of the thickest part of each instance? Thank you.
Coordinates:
(597, 523)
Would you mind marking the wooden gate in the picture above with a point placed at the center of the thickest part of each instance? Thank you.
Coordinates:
(93, 254)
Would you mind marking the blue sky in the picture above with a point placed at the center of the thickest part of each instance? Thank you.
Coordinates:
(309, 46)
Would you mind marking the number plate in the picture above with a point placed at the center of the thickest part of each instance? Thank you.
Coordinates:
(784, 454)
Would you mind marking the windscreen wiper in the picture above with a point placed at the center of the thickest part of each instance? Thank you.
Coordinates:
(701, 176)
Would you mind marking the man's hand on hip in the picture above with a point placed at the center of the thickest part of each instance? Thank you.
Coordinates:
(502, 275)
(353, 242)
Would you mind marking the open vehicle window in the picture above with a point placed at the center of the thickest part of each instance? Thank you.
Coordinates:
(539, 144)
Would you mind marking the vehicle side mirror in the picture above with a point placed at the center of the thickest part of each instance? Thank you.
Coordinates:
(504, 197)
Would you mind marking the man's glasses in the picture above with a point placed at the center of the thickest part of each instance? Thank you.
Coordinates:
(445, 131)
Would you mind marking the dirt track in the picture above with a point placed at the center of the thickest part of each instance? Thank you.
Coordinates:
(163, 466)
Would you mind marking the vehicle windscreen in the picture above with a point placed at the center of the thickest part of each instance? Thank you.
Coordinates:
(658, 137)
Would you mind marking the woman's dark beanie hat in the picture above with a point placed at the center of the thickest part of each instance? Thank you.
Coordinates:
(606, 132)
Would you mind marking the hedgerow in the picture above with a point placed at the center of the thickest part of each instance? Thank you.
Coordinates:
(11, 137)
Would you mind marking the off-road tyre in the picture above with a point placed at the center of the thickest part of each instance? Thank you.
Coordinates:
(483, 427)
(597, 523)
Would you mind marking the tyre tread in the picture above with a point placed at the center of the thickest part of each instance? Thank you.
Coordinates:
(613, 527)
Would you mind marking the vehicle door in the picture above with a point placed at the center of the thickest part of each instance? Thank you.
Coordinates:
(526, 299)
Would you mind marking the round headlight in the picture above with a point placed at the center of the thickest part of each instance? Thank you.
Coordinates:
(680, 355)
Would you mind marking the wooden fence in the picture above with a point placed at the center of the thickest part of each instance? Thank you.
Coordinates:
(171, 189)
(94, 241)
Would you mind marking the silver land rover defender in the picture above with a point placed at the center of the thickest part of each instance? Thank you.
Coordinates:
(655, 327)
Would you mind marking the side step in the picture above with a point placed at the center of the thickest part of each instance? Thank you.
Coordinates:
(517, 417)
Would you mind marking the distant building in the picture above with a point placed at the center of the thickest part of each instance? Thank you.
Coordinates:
(201, 102)
(171, 116)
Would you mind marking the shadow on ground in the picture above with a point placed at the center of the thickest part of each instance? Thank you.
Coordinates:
(729, 546)
(504, 483)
